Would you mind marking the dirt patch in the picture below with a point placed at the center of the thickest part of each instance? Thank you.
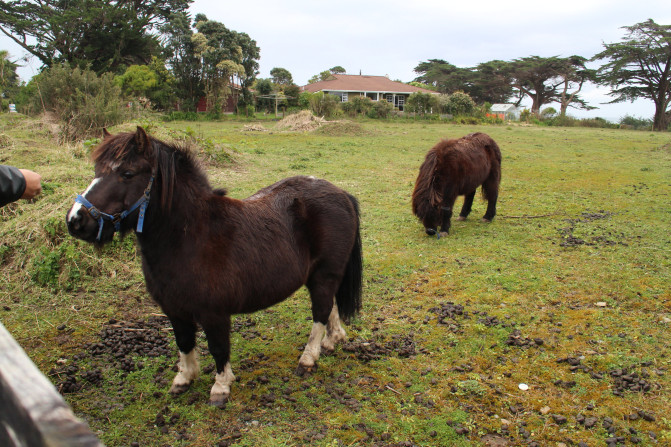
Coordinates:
(342, 128)
(254, 128)
(590, 235)
(303, 121)
(121, 347)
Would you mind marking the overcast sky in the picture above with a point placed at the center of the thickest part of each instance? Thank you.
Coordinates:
(391, 37)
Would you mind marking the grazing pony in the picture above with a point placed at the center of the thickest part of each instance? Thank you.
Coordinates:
(206, 256)
(454, 168)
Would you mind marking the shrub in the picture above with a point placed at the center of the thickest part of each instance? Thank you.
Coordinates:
(460, 103)
(380, 109)
(82, 101)
(422, 103)
(321, 104)
(632, 122)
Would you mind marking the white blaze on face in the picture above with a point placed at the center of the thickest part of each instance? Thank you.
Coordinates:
(77, 206)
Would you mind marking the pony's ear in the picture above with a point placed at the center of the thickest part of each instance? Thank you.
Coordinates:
(106, 133)
(142, 140)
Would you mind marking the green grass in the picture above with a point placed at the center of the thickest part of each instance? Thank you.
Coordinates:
(610, 189)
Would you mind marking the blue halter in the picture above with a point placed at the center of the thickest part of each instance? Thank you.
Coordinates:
(116, 219)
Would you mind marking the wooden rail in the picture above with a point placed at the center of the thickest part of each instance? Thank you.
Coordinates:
(32, 413)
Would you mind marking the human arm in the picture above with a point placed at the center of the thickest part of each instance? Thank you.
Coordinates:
(18, 183)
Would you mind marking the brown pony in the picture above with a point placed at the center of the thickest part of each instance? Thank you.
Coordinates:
(207, 256)
(454, 168)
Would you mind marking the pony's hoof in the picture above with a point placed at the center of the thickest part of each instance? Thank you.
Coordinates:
(327, 350)
(176, 390)
(486, 220)
(218, 401)
(461, 218)
(303, 371)
(443, 234)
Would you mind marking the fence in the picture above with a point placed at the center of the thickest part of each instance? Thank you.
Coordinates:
(32, 413)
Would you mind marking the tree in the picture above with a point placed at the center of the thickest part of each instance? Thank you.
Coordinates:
(152, 82)
(640, 67)
(538, 78)
(210, 61)
(491, 83)
(182, 61)
(281, 76)
(106, 35)
(327, 74)
(9, 79)
(574, 75)
(447, 78)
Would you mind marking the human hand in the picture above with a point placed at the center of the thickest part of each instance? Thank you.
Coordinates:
(33, 184)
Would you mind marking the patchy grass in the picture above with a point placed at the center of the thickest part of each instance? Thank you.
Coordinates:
(567, 291)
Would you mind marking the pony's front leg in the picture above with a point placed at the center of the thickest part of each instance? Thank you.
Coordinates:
(334, 332)
(185, 336)
(218, 341)
(468, 205)
(447, 216)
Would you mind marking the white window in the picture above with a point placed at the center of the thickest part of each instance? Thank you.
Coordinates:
(344, 97)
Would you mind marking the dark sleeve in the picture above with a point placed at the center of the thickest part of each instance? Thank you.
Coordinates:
(12, 184)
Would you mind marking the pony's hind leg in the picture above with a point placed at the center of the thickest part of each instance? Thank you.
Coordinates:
(322, 292)
(218, 341)
(334, 332)
(491, 189)
(468, 205)
(185, 336)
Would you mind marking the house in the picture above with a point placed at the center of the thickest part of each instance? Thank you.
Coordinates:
(377, 88)
(506, 111)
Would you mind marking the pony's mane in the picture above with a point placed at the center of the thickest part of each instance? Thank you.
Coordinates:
(424, 184)
(165, 159)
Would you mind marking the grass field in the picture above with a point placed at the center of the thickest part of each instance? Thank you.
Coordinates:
(566, 291)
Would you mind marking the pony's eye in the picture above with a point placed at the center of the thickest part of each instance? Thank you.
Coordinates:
(127, 175)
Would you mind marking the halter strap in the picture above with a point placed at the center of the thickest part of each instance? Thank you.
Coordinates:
(116, 219)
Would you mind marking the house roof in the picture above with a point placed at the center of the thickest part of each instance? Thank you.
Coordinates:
(362, 83)
(503, 108)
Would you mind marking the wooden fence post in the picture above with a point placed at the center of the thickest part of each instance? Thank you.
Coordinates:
(32, 413)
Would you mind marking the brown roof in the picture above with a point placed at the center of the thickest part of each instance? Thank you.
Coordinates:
(362, 83)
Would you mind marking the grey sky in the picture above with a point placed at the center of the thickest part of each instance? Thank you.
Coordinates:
(390, 37)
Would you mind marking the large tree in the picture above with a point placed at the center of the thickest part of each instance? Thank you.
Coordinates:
(491, 83)
(208, 61)
(640, 67)
(107, 35)
(447, 78)
(9, 79)
(538, 78)
(574, 74)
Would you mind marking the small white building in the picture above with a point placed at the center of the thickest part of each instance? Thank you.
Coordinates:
(509, 111)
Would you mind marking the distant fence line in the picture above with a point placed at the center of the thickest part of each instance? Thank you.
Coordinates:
(32, 413)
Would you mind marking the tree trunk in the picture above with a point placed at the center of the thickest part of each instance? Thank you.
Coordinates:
(661, 121)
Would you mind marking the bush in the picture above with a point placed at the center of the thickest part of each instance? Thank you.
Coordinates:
(82, 101)
(321, 104)
(358, 105)
(460, 103)
(380, 109)
(631, 122)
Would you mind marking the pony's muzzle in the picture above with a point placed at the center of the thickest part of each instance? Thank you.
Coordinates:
(81, 225)
(430, 231)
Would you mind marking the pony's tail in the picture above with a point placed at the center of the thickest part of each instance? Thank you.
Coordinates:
(348, 296)
(490, 188)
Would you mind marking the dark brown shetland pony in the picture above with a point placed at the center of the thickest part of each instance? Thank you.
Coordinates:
(454, 168)
(206, 256)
